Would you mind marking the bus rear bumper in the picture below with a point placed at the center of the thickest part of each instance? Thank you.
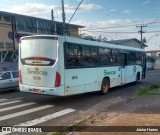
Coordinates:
(58, 91)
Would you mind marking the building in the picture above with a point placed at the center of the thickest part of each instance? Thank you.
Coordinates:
(133, 42)
(153, 53)
(13, 26)
(155, 56)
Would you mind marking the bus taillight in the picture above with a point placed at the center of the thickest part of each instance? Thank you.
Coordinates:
(58, 80)
(20, 77)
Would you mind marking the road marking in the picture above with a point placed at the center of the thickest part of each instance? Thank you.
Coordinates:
(24, 112)
(11, 102)
(46, 118)
(42, 119)
(16, 106)
(3, 100)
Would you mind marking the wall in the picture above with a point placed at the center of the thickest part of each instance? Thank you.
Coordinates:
(5, 28)
(74, 31)
(5, 66)
(150, 65)
(157, 64)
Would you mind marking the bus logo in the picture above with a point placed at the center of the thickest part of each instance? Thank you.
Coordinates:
(37, 72)
(109, 72)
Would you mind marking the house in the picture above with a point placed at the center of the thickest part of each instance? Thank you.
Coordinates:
(133, 42)
(154, 54)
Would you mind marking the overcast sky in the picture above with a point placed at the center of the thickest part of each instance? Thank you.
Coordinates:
(113, 19)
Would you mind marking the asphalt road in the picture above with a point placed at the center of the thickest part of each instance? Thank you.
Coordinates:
(27, 109)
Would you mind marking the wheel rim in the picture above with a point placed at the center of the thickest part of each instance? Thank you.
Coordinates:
(105, 87)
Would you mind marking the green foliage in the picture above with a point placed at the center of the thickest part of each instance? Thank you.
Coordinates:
(155, 86)
(147, 91)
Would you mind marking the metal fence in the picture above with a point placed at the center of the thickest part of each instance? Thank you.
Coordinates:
(9, 56)
(8, 60)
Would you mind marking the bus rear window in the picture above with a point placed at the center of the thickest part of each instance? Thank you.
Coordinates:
(38, 52)
(38, 61)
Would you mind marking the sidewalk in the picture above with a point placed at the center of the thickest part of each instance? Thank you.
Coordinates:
(143, 111)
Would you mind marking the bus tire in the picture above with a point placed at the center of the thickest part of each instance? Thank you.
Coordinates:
(105, 86)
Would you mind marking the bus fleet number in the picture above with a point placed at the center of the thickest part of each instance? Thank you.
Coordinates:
(36, 78)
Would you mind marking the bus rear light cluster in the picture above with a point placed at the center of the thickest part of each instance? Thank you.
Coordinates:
(58, 80)
(20, 77)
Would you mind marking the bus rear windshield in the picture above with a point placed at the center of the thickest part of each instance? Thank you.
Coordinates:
(39, 52)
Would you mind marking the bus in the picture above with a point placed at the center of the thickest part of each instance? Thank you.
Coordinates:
(62, 65)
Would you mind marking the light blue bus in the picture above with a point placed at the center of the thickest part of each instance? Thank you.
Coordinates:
(61, 65)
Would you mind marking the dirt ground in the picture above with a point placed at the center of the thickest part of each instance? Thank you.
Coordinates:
(134, 113)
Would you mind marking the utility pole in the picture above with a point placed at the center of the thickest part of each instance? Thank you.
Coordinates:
(52, 17)
(63, 18)
(13, 32)
(54, 29)
(141, 32)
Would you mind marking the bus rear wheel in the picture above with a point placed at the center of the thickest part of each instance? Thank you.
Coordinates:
(105, 86)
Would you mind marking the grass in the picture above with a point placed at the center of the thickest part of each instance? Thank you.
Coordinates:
(70, 128)
(147, 91)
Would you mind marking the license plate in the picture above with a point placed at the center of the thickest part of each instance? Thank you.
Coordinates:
(37, 90)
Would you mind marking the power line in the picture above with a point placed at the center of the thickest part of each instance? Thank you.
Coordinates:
(114, 32)
(111, 27)
(121, 26)
(119, 31)
(109, 32)
(75, 11)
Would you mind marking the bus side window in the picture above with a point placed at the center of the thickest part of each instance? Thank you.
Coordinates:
(73, 56)
(115, 59)
(132, 58)
(138, 58)
(90, 56)
(104, 56)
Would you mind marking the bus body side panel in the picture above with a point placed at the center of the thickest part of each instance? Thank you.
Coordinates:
(123, 75)
(60, 68)
(90, 79)
(81, 80)
(114, 74)
(139, 69)
(130, 72)
(74, 81)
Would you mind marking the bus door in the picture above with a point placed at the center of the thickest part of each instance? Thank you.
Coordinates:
(123, 67)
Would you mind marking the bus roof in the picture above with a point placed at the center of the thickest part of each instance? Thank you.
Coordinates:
(85, 42)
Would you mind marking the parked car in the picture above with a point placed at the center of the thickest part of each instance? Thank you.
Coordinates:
(9, 79)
